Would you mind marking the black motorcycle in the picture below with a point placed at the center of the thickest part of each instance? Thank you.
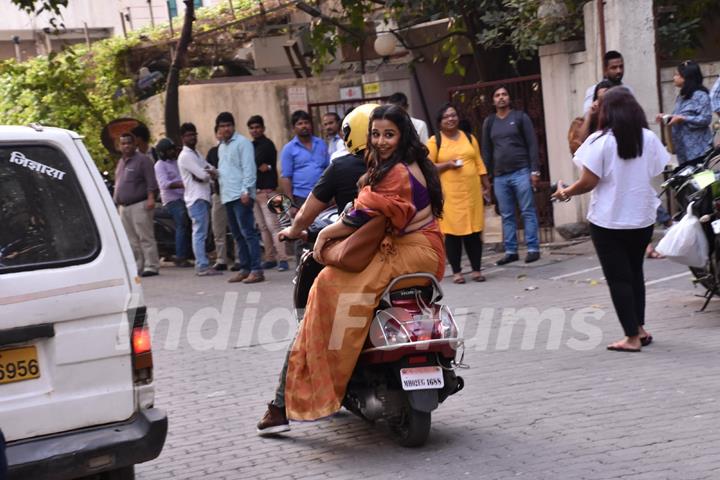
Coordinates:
(700, 185)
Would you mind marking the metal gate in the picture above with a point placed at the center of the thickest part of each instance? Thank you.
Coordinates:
(475, 104)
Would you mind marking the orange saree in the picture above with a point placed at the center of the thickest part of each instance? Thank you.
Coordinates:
(340, 305)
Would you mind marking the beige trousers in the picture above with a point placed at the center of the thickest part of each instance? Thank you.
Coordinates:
(269, 227)
(219, 228)
(138, 224)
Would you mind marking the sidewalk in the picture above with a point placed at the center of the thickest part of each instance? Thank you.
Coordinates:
(543, 399)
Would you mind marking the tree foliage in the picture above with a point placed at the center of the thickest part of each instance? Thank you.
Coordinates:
(680, 25)
(73, 90)
(486, 24)
(82, 89)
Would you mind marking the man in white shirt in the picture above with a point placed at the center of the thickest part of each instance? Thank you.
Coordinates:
(196, 176)
(613, 71)
(331, 128)
(400, 99)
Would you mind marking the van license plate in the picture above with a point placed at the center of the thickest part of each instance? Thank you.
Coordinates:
(18, 364)
(422, 378)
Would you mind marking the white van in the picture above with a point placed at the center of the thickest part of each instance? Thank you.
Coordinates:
(76, 383)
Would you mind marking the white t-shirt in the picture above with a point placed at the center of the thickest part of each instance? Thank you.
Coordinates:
(624, 197)
(421, 129)
(195, 177)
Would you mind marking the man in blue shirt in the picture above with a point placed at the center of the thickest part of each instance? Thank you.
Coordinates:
(303, 159)
(236, 165)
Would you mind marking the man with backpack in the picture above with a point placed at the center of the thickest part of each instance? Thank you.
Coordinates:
(510, 151)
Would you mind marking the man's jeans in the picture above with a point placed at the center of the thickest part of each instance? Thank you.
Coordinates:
(242, 225)
(511, 188)
(200, 215)
(177, 209)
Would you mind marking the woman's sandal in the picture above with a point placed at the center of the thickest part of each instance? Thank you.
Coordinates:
(478, 277)
(458, 278)
(646, 340)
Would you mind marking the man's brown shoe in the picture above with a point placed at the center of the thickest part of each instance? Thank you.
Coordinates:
(238, 277)
(274, 421)
(254, 278)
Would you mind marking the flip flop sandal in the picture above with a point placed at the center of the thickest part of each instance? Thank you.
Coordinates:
(459, 279)
(645, 341)
(617, 348)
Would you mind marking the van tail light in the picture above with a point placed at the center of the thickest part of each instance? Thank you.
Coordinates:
(141, 346)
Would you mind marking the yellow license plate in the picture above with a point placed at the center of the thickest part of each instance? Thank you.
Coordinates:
(18, 364)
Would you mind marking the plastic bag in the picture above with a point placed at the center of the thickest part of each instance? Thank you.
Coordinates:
(685, 242)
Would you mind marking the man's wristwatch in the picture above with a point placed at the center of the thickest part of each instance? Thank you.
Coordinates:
(535, 173)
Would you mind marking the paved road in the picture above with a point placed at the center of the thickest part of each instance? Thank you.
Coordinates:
(545, 403)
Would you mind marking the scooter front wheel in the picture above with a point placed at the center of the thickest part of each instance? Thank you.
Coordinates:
(412, 428)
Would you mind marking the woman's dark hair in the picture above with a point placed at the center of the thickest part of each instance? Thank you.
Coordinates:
(623, 115)
(444, 108)
(410, 150)
(603, 84)
(690, 71)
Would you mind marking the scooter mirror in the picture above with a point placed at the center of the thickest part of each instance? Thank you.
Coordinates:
(279, 204)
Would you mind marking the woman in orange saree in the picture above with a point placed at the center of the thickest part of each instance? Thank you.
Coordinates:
(401, 184)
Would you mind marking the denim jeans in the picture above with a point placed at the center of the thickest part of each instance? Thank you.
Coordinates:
(200, 215)
(511, 188)
(177, 209)
(242, 225)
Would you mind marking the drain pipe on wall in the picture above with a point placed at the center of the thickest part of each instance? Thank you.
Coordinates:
(601, 24)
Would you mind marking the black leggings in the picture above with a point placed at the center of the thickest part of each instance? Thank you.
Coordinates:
(473, 247)
(621, 254)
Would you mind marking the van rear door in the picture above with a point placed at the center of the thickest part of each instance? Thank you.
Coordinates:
(65, 359)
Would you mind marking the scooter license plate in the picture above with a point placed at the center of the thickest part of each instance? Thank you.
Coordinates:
(421, 378)
(716, 226)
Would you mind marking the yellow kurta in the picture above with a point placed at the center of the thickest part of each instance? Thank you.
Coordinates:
(463, 212)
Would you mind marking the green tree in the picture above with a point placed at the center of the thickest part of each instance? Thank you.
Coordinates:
(73, 89)
(485, 24)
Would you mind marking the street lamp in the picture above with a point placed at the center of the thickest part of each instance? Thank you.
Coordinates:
(385, 44)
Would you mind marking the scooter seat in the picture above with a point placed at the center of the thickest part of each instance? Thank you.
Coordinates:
(410, 293)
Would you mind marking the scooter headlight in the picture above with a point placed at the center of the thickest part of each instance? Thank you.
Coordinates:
(448, 327)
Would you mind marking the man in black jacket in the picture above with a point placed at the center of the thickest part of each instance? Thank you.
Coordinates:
(266, 187)
(510, 151)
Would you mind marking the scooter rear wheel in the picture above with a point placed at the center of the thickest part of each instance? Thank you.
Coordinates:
(412, 428)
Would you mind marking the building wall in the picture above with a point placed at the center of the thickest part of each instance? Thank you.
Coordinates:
(568, 70)
(201, 103)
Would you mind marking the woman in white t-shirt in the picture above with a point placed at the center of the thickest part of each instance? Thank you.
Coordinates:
(618, 164)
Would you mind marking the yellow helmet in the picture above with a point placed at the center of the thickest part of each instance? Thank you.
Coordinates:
(355, 127)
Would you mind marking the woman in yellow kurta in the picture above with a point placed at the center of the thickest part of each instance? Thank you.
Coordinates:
(402, 185)
(465, 185)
